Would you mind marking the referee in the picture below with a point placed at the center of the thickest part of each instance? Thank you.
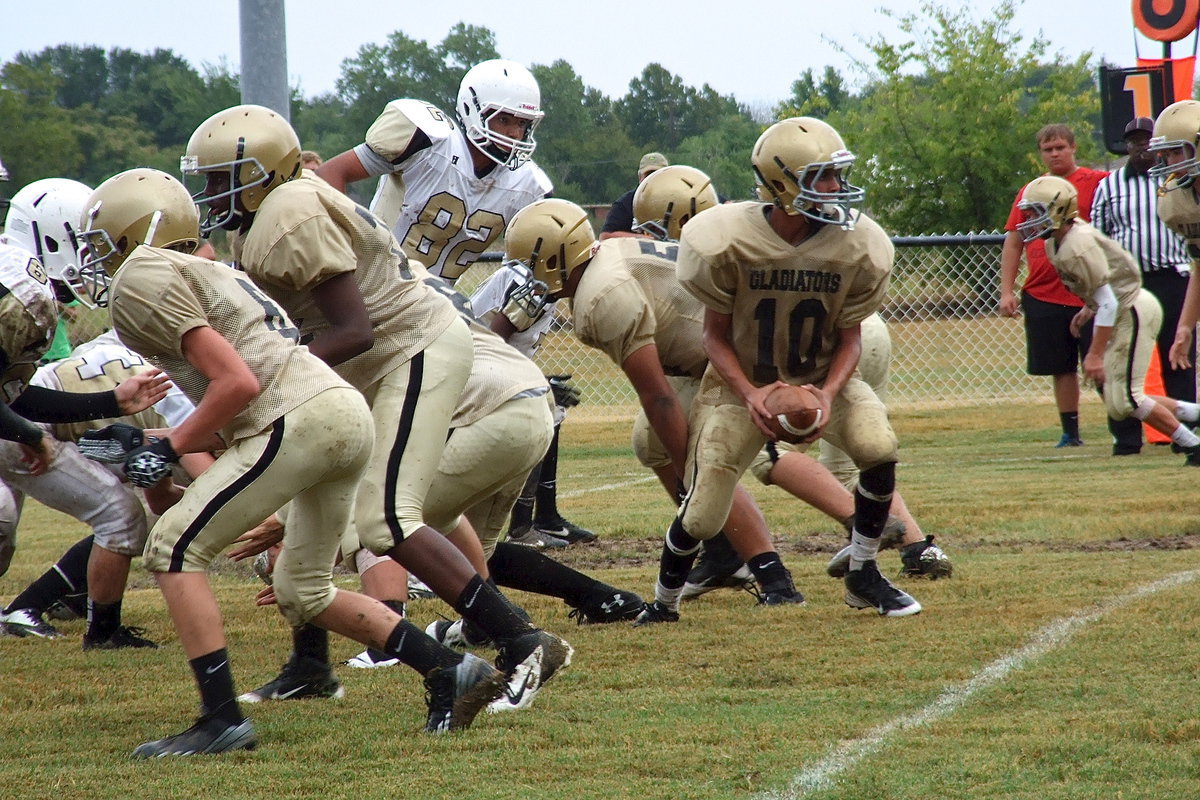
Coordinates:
(1125, 208)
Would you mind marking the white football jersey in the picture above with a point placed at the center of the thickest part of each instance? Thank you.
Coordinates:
(441, 213)
(488, 299)
(28, 316)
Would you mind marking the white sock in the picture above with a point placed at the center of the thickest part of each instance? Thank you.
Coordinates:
(667, 597)
(1184, 437)
(862, 549)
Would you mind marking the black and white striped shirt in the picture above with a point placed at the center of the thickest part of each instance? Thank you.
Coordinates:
(1125, 208)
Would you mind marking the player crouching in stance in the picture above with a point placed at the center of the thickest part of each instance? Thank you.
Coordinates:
(1127, 317)
(290, 428)
(786, 288)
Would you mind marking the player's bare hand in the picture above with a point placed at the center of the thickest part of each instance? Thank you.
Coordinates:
(1093, 367)
(266, 597)
(755, 402)
(259, 538)
(1008, 304)
(37, 458)
(1179, 355)
(142, 391)
(823, 420)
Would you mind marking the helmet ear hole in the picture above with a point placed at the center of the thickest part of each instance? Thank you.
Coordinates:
(50, 243)
(122, 245)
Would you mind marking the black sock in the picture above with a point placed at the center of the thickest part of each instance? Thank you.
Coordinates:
(522, 511)
(1070, 423)
(68, 576)
(398, 607)
(416, 649)
(678, 555)
(491, 611)
(214, 678)
(546, 512)
(311, 642)
(768, 568)
(103, 619)
(515, 566)
(873, 499)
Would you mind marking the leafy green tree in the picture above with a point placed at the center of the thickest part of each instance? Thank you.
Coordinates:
(660, 111)
(36, 137)
(813, 98)
(406, 67)
(944, 131)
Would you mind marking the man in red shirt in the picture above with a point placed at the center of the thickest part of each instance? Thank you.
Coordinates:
(1052, 347)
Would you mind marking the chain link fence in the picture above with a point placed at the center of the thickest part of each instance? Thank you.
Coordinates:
(949, 346)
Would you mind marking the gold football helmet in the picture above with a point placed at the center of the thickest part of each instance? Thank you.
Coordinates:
(551, 239)
(668, 198)
(791, 156)
(135, 207)
(243, 153)
(1177, 127)
(1049, 202)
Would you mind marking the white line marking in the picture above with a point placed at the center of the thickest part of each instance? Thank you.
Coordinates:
(605, 487)
(847, 755)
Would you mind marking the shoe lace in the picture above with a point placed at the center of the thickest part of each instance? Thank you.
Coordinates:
(579, 615)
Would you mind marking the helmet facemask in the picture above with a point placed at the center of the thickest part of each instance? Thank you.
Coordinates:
(1179, 175)
(529, 294)
(827, 207)
(1037, 224)
(504, 150)
(496, 87)
(245, 177)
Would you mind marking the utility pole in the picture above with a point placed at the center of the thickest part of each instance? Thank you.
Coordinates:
(264, 55)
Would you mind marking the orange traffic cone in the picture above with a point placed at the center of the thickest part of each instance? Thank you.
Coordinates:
(1154, 387)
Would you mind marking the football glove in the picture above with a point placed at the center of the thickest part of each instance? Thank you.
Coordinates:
(111, 444)
(150, 463)
(565, 394)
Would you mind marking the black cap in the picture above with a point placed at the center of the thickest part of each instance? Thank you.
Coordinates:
(1140, 124)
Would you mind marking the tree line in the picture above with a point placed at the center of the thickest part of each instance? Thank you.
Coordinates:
(942, 116)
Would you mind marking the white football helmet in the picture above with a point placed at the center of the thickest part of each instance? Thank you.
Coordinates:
(791, 156)
(135, 207)
(1178, 126)
(493, 87)
(1051, 202)
(42, 219)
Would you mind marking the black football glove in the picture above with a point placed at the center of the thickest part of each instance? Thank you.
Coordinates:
(565, 394)
(111, 444)
(149, 464)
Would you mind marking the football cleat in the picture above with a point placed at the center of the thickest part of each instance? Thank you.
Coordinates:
(779, 592)
(924, 559)
(528, 662)
(1068, 440)
(27, 622)
(530, 537)
(717, 567)
(1193, 456)
(458, 634)
(455, 695)
(123, 637)
(893, 533)
(613, 605)
(299, 679)
(68, 607)
(371, 659)
(867, 588)
(207, 736)
(417, 590)
(655, 612)
(569, 532)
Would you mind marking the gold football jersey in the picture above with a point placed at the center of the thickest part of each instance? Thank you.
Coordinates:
(787, 302)
(306, 232)
(1086, 259)
(630, 296)
(28, 316)
(159, 295)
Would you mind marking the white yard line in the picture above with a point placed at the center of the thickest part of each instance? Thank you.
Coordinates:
(848, 754)
(606, 486)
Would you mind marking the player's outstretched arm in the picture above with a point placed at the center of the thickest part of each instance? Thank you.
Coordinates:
(342, 170)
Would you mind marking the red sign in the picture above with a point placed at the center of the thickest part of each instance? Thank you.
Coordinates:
(1166, 20)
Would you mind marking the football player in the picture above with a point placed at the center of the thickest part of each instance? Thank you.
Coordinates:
(359, 307)
(96, 568)
(627, 302)
(1176, 134)
(290, 429)
(1125, 317)
(786, 284)
(448, 190)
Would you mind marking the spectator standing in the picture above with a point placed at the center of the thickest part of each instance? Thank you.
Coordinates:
(619, 221)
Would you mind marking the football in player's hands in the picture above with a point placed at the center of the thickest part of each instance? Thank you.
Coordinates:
(111, 444)
(795, 413)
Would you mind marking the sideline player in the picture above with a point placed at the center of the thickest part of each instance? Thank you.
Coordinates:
(448, 191)
(1126, 317)
(290, 428)
(786, 285)
(340, 274)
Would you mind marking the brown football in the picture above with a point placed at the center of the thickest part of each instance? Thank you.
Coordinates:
(795, 413)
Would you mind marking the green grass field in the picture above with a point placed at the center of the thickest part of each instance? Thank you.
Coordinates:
(1059, 662)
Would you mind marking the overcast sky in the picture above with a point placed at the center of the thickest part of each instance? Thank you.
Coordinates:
(753, 50)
